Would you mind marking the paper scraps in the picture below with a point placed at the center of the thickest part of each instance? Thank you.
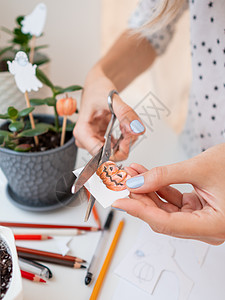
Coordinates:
(102, 194)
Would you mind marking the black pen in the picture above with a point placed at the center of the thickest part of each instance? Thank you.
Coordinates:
(98, 249)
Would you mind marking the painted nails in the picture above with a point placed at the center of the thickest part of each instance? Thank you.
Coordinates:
(136, 126)
(135, 182)
(119, 209)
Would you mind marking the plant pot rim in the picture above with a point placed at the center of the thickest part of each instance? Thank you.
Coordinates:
(39, 153)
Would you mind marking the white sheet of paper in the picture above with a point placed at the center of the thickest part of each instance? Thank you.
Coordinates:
(35, 21)
(101, 193)
(146, 261)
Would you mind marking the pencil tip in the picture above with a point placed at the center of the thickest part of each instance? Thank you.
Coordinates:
(83, 267)
(50, 237)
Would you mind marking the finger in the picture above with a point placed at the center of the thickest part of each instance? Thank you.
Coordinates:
(179, 224)
(168, 207)
(171, 195)
(129, 121)
(159, 177)
(92, 144)
(139, 168)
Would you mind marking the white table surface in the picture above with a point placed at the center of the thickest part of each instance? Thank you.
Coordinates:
(159, 147)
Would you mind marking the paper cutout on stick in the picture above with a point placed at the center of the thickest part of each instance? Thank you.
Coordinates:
(24, 73)
(101, 193)
(35, 21)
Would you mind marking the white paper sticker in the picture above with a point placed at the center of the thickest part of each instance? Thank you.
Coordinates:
(101, 193)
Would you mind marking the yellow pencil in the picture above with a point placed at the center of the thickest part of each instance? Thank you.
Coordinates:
(107, 261)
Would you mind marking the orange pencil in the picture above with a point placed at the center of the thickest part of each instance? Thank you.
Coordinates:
(32, 237)
(94, 210)
(107, 261)
(31, 276)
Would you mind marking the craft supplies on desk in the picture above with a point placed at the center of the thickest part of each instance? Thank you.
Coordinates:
(66, 260)
(31, 237)
(31, 276)
(56, 226)
(35, 267)
(92, 267)
(107, 261)
(48, 232)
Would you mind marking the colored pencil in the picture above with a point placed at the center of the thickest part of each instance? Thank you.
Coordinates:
(32, 237)
(49, 254)
(31, 276)
(34, 225)
(106, 263)
(94, 210)
(49, 232)
(53, 260)
(96, 216)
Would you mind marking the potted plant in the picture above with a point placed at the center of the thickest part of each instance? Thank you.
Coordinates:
(19, 41)
(11, 283)
(33, 167)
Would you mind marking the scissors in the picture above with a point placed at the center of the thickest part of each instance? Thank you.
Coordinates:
(102, 156)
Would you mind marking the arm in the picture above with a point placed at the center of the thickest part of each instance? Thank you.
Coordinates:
(127, 58)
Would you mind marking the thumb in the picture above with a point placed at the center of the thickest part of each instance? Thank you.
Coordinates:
(129, 121)
(153, 180)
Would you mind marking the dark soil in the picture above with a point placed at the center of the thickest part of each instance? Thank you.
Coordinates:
(47, 141)
(5, 269)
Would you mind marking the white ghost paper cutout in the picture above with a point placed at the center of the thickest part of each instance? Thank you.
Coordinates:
(35, 21)
(24, 73)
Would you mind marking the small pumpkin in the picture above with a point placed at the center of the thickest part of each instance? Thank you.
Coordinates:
(112, 176)
(66, 106)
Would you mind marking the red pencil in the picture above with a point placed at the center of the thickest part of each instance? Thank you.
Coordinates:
(32, 237)
(32, 225)
(31, 276)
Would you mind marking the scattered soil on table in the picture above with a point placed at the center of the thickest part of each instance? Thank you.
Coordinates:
(5, 268)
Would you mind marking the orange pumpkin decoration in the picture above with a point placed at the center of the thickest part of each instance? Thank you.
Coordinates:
(66, 106)
(112, 176)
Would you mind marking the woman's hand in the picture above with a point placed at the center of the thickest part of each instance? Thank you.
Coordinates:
(94, 117)
(197, 215)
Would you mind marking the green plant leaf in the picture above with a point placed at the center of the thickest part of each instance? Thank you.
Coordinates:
(68, 89)
(9, 144)
(37, 102)
(6, 30)
(23, 148)
(2, 51)
(43, 78)
(5, 116)
(25, 112)
(5, 133)
(50, 101)
(1, 140)
(69, 127)
(40, 128)
(16, 126)
(19, 19)
(40, 47)
(12, 112)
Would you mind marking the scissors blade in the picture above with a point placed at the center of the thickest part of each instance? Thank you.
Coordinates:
(91, 203)
(87, 172)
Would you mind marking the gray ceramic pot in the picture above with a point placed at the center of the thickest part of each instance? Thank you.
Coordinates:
(32, 177)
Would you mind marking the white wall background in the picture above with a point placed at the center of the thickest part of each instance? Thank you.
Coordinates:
(72, 32)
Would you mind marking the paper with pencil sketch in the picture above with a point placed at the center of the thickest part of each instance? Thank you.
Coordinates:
(145, 262)
(102, 194)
